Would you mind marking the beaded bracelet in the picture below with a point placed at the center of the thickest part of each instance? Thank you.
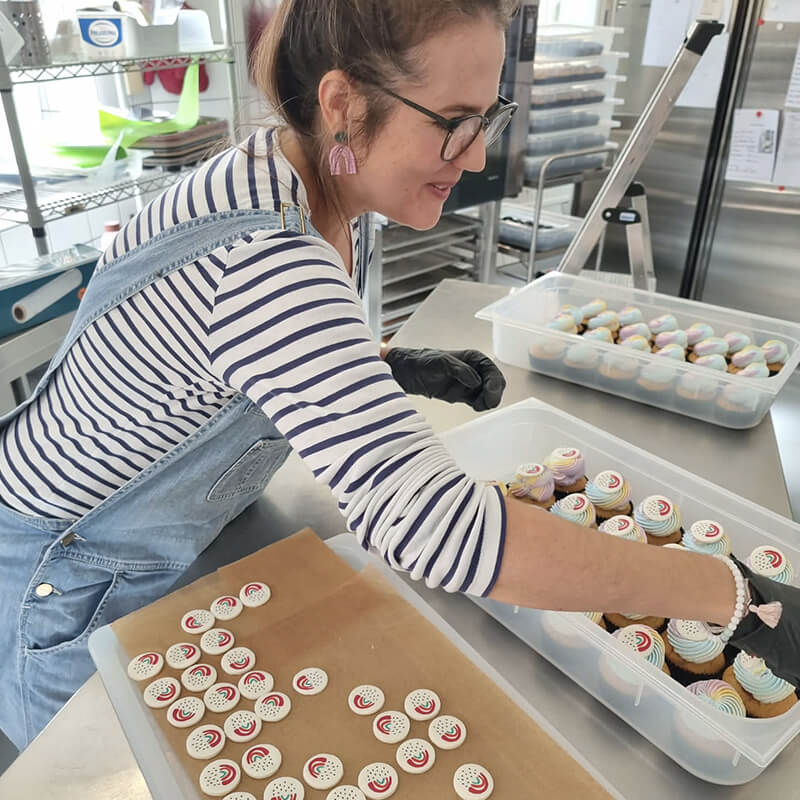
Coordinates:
(768, 613)
(742, 599)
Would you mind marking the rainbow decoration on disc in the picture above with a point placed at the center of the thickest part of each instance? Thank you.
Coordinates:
(255, 754)
(179, 715)
(479, 785)
(360, 702)
(272, 700)
(213, 737)
(452, 734)
(380, 785)
(384, 724)
(419, 761)
(317, 765)
(168, 693)
(227, 774)
(304, 684)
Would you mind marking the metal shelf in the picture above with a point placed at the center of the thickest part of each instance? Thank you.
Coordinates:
(419, 264)
(426, 282)
(398, 237)
(56, 205)
(87, 69)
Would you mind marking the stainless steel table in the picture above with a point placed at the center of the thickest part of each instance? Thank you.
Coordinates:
(83, 754)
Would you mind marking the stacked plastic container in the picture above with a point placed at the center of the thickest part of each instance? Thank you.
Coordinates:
(575, 76)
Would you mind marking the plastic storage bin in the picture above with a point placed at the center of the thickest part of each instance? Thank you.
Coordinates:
(521, 338)
(713, 746)
(559, 42)
(582, 116)
(545, 144)
(556, 231)
(597, 67)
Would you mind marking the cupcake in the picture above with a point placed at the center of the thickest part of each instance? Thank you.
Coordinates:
(756, 370)
(635, 329)
(660, 519)
(702, 740)
(666, 322)
(569, 470)
(624, 527)
(771, 562)
(605, 319)
(776, 354)
(656, 381)
(736, 341)
(576, 313)
(669, 338)
(673, 351)
(714, 361)
(617, 371)
(547, 355)
(629, 316)
(559, 626)
(593, 309)
(714, 345)
(695, 394)
(580, 363)
(610, 495)
(637, 342)
(564, 323)
(739, 406)
(638, 641)
(698, 333)
(693, 652)
(600, 334)
(745, 357)
(708, 537)
(534, 484)
(576, 508)
(596, 617)
(764, 694)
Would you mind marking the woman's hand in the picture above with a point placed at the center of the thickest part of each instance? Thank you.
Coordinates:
(456, 376)
(779, 646)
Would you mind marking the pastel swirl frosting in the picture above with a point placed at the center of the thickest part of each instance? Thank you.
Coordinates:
(534, 481)
(772, 563)
(693, 641)
(666, 322)
(624, 528)
(629, 315)
(657, 515)
(714, 361)
(581, 355)
(636, 343)
(574, 311)
(720, 695)
(673, 351)
(605, 319)
(601, 334)
(759, 680)
(711, 346)
(636, 329)
(698, 332)
(593, 309)
(756, 370)
(609, 490)
(707, 536)
(563, 322)
(736, 341)
(576, 508)
(594, 616)
(672, 337)
(566, 464)
(643, 640)
(775, 351)
(748, 355)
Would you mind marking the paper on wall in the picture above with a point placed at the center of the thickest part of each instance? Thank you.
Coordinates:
(793, 95)
(753, 145)
(787, 164)
(666, 29)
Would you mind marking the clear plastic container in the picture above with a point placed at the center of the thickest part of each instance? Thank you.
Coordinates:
(559, 42)
(586, 116)
(715, 747)
(542, 144)
(588, 68)
(522, 338)
(564, 166)
(558, 95)
(555, 231)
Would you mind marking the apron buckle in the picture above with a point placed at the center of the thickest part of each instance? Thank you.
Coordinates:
(284, 206)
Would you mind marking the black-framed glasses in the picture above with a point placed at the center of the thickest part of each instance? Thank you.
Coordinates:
(463, 131)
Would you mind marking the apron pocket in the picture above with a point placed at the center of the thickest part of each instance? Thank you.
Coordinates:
(252, 471)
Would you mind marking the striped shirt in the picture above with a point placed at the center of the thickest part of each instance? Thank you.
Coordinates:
(274, 316)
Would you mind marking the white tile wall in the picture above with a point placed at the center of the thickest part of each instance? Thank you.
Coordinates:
(63, 233)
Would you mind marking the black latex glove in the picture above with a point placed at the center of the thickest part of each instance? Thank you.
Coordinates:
(779, 647)
(456, 376)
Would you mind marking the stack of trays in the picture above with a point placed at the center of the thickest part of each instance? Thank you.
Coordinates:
(176, 150)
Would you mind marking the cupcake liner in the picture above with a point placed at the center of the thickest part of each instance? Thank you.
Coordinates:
(755, 708)
(686, 672)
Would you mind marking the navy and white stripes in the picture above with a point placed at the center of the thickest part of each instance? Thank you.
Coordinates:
(276, 317)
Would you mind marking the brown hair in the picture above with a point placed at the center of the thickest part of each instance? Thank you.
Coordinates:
(371, 40)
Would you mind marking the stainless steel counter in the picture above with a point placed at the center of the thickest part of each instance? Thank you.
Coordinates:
(83, 754)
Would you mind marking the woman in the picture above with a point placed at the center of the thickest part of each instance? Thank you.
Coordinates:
(223, 326)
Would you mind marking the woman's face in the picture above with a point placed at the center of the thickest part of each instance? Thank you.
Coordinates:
(403, 175)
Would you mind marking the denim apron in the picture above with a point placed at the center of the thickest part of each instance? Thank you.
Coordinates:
(62, 579)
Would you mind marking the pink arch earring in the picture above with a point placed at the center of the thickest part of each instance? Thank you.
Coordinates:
(342, 159)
